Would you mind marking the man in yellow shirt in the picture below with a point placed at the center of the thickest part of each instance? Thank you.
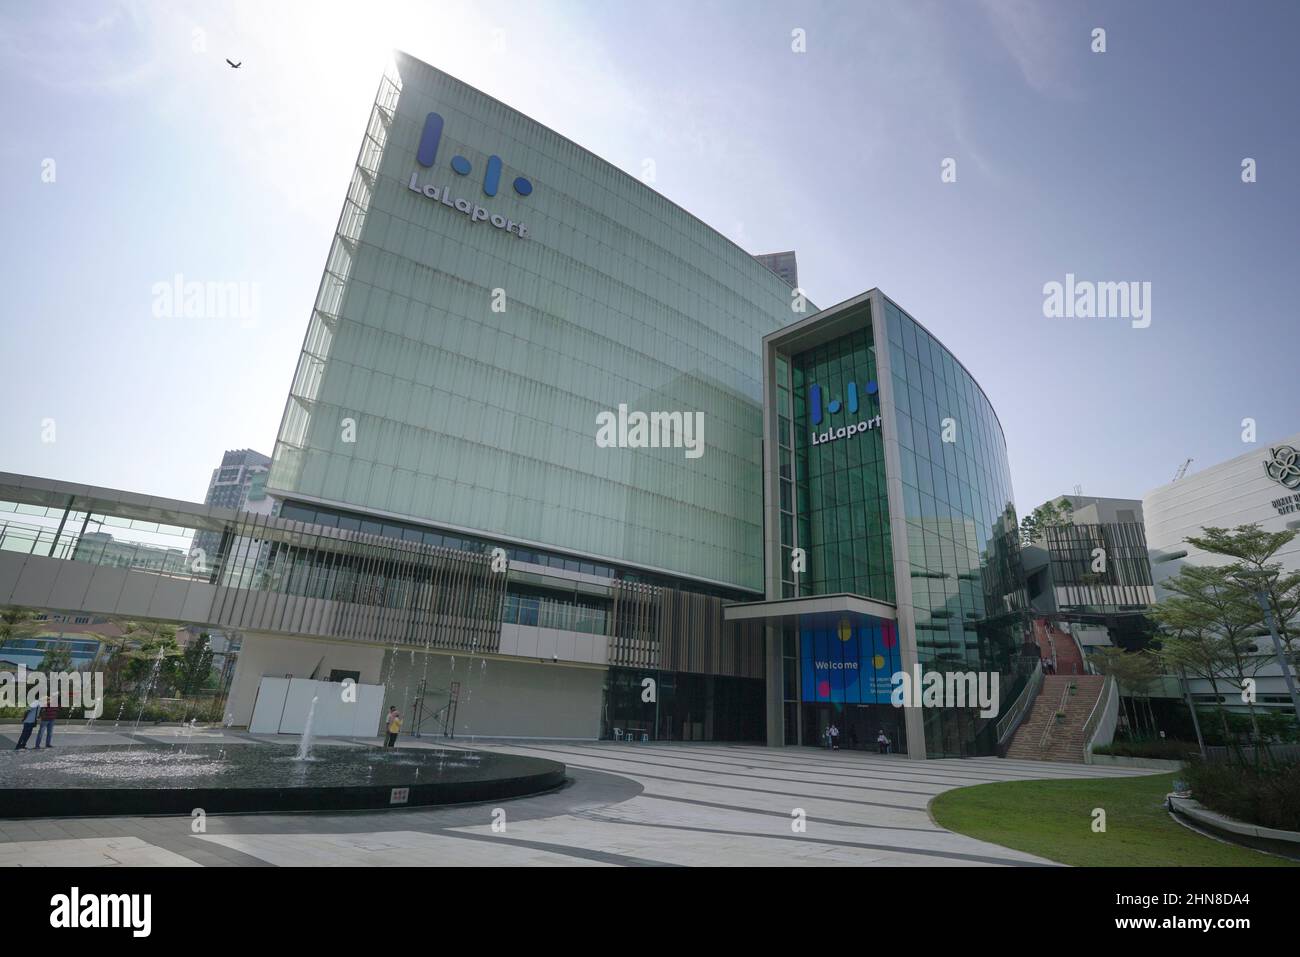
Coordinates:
(394, 724)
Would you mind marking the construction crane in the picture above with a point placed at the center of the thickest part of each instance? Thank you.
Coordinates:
(1182, 470)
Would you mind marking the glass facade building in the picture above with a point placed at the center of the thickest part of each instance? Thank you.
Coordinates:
(892, 533)
(839, 510)
(457, 358)
(492, 294)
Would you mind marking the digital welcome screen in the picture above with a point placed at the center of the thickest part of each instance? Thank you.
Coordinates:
(848, 661)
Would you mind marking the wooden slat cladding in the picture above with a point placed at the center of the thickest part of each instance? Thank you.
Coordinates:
(299, 579)
(694, 638)
(675, 630)
(634, 626)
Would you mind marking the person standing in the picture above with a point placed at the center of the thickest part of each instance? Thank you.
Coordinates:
(882, 742)
(48, 714)
(394, 725)
(835, 737)
(29, 722)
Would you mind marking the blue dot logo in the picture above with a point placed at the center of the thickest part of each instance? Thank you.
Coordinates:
(427, 153)
(834, 405)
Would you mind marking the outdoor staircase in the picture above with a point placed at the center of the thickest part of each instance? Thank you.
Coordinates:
(1040, 737)
(1052, 641)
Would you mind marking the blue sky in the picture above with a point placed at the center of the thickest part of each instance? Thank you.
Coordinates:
(1115, 166)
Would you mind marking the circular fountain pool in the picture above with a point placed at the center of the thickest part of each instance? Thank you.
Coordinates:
(153, 779)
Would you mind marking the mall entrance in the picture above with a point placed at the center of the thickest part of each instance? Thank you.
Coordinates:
(841, 667)
(859, 726)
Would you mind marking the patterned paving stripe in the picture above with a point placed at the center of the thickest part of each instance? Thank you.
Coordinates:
(804, 839)
(785, 815)
(716, 773)
(911, 771)
(562, 850)
(856, 802)
(991, 768)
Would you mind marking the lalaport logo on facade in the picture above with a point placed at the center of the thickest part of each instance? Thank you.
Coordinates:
(833, 407)
(427, 153)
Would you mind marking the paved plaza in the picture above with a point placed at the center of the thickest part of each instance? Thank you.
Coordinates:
(626, 804)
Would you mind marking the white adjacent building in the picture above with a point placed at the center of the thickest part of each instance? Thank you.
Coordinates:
(1261, 486)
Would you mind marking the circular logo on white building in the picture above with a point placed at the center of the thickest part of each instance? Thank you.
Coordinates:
(1283, 466)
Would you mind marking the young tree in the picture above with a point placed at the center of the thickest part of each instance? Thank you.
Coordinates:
(1034, 525)
(11, 617)
(58, 657)
(16, 622)
(194, 667)
(1254, 571)
(1134, 673)
(1213, 626)
(1187, 645)
(148, 649)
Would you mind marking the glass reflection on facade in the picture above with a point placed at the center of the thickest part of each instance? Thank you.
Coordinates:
(898, 493)
(842, 502)
(967, 584)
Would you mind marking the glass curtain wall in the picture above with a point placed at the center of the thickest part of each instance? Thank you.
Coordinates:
(968, 592)
(842, 506)
(417, 396)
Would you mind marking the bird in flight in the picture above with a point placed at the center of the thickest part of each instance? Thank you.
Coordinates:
(234, 65)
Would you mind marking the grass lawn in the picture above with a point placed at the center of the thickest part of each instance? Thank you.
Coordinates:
(1053, 819)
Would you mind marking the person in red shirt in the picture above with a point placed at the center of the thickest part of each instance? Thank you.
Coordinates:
(48, 714)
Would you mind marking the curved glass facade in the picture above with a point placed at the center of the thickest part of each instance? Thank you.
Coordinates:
(966, 582)
(454, 369)
(888, 478)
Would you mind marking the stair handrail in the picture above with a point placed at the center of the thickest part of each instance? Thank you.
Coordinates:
(1090, 726)
(1051, 723)
(1008, 723)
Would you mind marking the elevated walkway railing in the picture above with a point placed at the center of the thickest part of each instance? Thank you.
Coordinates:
(1061, 705)
(1106, 704)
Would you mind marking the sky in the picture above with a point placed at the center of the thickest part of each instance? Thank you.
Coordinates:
(134, 154)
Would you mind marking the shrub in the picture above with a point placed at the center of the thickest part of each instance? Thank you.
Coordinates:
(169, 710)
(1273, 726)
(1267, 794)
(1166, 749)
(128, 708)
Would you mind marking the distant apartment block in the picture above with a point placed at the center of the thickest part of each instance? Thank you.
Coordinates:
(784, 265)
(239, 482)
